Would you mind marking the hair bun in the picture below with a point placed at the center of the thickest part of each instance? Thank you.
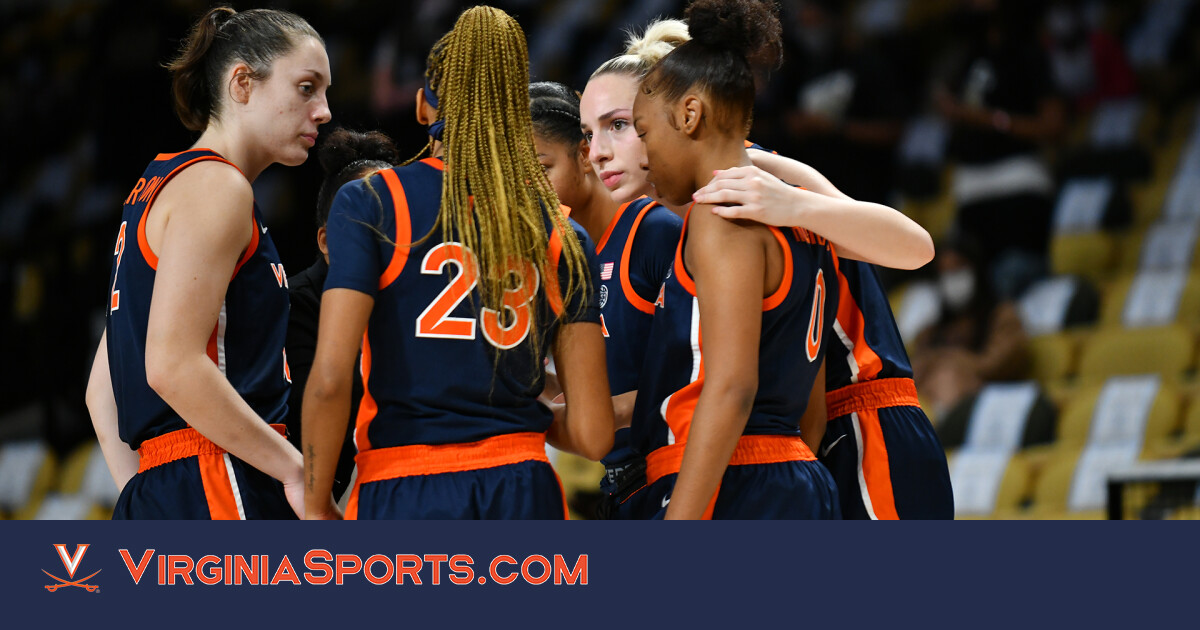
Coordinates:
(658, 40)
(344, 146)
(749, 27)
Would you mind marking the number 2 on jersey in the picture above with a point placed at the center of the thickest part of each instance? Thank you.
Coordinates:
(435, 321)
(118, 251)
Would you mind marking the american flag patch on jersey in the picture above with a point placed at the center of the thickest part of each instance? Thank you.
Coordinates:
(606, 270)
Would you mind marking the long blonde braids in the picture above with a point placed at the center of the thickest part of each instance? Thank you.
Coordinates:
(495, 193)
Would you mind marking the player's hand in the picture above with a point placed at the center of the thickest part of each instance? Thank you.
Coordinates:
(293, 489)
(748, 192)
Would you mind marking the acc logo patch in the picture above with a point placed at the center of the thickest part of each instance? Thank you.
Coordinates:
(603, 295)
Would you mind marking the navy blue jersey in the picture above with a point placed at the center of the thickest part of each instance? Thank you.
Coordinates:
(790, 347)
(635, 255)
(431, 373)
(247, 341)
(866, 344)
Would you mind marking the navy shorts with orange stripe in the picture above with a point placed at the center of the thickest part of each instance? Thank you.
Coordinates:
(795, 490)
(199, 488)
(888, 463)
(524, 490)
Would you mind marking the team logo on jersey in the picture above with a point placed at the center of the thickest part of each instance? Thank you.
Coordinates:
(71, 563)
(606, 271)
(662, 293)
(603, 295)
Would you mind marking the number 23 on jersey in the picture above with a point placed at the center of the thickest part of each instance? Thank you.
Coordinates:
(504, 333)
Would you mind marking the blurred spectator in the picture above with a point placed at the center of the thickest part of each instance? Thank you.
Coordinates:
(977, 338)
(1003, 107)
(845, 103)
(1087, 63)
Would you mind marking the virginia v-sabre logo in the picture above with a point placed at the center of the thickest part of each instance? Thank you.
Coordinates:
(71, 563)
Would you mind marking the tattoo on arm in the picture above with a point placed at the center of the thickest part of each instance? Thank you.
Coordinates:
(309, 461)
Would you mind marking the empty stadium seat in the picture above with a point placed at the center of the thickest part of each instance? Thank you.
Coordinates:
(1164, 350)
(1053, 484)
(27, 471)
(1077, 426)
(1091, 255)
(1053, 357)
(1152, 298)
(1058, 302)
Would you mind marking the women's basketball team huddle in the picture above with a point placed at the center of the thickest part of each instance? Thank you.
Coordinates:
(619, 273)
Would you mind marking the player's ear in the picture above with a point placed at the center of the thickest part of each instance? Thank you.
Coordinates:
(426, 113)
(582, 155)
(690, 112)
(240, 83)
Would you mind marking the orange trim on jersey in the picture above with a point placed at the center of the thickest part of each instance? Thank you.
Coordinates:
(785, 284)
(680, 272)
(612, 225)
(428, 459)
(689, 285)
(367, 408)
(553, 290)
(876, 470)
(143, 243)
(211, 348)
(562, 491)
(177, 445)
(631, 296)
(870, 395)
(853, 324)
(750, 450)
(750, 144)
(250, 249)
(435, 162)
(403, 229)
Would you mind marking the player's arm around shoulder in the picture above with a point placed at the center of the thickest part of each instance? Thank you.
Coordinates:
(766, 192)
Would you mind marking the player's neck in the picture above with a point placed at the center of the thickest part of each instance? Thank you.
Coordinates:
(597, 212)
(719, 155)
(229, 146)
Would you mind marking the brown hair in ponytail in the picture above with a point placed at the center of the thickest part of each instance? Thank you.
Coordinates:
(221, 38)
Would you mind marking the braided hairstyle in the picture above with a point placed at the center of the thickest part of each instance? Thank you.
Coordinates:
(218, 40)
(495, 195)
(728, 37)
(554, 110)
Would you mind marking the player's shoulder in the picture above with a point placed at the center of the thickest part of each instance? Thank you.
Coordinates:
(212, 177)
(218, 187)
(658, 221)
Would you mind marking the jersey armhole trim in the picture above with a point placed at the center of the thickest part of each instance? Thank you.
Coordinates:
(403, 229)
(785, 285)
(143, 241)
(553, 290)
(631, 296)
(612, 225)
